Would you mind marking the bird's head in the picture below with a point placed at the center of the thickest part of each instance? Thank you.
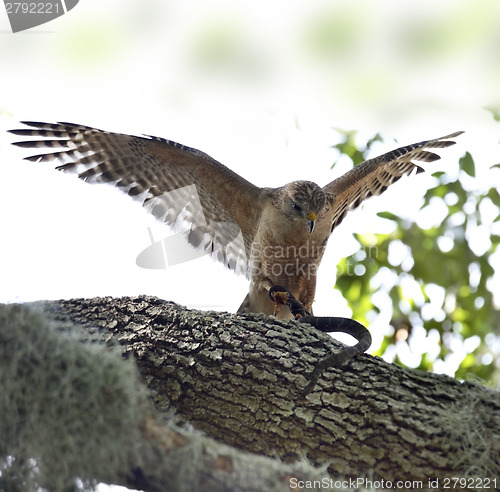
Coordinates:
(303, 201)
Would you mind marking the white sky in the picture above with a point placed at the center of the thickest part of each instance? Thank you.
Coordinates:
(257, 85)
(266, 108)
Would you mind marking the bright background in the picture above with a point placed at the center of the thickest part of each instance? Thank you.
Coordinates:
(260, 86)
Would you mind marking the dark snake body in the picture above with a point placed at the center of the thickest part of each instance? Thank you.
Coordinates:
(280, 295)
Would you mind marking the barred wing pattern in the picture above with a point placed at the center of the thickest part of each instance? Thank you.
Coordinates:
(373, 176)
(217, 209)
(169, 179)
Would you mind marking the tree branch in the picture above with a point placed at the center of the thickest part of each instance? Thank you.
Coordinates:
(73, 410)
(239, 379)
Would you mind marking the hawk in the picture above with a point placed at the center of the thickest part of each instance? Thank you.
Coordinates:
(274, 235)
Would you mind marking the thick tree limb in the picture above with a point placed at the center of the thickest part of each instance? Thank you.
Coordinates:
(73, 410)
(281, 295)
(239, 379)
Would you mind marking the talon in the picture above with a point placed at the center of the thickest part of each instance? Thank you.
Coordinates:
(279, 295)
(279, 298)
(276, 309)
(277, 290)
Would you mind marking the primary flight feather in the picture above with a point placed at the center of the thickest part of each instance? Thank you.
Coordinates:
(274, 235)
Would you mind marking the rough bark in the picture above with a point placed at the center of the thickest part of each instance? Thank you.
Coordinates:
(239, 379)
(73, 410)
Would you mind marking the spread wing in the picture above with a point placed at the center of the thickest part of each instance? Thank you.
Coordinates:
(216, 208)
(373, 176)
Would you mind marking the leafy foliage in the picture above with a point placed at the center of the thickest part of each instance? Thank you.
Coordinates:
(437, 281)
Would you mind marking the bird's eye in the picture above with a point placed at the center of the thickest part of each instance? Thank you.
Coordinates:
(296, 207)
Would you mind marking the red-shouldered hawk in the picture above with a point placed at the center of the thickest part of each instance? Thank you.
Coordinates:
(274, 235)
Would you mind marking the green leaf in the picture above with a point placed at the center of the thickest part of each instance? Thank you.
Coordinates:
(438, 174)
(467, 308)
(388, 215)
(348, 146)
(467, 164)
(494, 196)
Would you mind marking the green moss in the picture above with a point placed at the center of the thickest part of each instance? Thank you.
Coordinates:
(68, 410)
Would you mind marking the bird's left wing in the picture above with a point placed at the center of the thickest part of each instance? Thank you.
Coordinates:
(373, 176)
(181, 186)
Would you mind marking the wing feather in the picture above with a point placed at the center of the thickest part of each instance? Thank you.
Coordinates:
(374, 176)
(149, 169)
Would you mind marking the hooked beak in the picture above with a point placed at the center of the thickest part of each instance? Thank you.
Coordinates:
(311, 221)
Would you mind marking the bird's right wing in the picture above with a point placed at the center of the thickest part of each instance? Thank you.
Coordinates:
(181, 186)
